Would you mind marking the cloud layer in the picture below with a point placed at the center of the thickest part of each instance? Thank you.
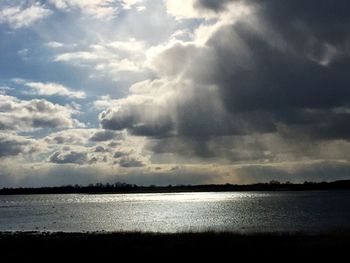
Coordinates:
(28, 115)
(250, 77)
(49, 89)
(23, 16)
(235, 91)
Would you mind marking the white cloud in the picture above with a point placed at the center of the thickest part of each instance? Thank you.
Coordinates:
(129, 45)
(108, 57)
(101, 9)
(49, 89)
(204, 9)
(218, 15)
(29, 115)
(77, 56)
(23, 53)
(128, 4)
(119, 66)
(182, 9)
(140, 8)
(105, 102)
(105, 51)
(4, 89)
(82, 137)
(69, 137)
(54, 44)
(19, 16)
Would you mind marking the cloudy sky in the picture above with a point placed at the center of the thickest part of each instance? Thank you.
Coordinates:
(174, 92)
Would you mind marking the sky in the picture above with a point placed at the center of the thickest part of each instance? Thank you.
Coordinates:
(174, 92)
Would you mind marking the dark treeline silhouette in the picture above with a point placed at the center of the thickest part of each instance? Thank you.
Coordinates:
(132, 188)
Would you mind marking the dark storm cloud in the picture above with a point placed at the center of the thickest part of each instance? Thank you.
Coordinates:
(223, 148)
(119, 154)
(133, 118)
(316, 14)
(108, 121)
(84, 175)
(103, 135)
(11, 145)
(101, 149)
(324, 20)
(129, 162)
(214, 5)
(193, 111)
(307, 71)
(69, 157)
(196, 122)
(286, 76)
(63, 138)
(183, 146)
(316, 124)
(281, 71)
(277, 79)
(312, 172)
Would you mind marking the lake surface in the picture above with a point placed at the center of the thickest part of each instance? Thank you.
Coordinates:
(311, 212)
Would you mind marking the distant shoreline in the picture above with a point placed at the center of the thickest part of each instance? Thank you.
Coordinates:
(123, 188)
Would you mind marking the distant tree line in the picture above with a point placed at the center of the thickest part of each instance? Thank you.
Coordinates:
(119, 187)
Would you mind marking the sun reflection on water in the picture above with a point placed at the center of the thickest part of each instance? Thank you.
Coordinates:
(170, 197)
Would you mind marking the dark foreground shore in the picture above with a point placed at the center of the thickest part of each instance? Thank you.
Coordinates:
(275, 247)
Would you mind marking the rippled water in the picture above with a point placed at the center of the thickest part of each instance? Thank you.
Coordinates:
(175, 212)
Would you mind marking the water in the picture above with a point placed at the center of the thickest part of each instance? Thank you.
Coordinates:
(175, 212)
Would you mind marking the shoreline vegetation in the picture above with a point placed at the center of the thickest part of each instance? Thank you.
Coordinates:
(175, 245)
(122, 188)
(100, 188)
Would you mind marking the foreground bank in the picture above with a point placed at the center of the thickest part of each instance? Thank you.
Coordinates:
(277, 246)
